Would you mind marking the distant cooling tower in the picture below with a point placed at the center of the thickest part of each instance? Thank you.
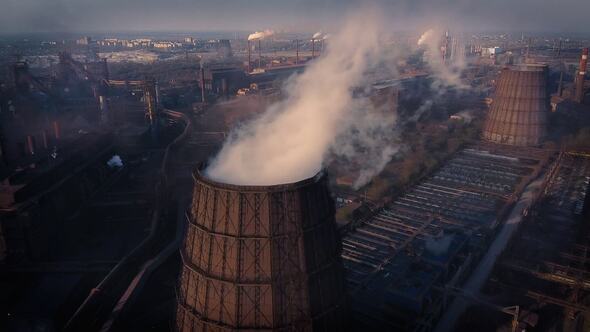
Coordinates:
(519, 110)
(261, 258)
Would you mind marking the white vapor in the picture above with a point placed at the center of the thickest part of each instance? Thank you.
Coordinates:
(447, 72)
(319, 119)
(317, 35)
(425, 36)
(260, 35)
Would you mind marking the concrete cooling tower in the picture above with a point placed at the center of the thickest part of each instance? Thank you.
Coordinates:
(261, 258)
(520, 107)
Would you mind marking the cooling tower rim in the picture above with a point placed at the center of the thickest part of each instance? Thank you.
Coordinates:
(527, 67)
(200, 177)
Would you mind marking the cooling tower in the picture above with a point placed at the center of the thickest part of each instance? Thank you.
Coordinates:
(519, 110)
(261, 258)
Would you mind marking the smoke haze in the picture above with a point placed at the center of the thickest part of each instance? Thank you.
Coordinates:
(320, 118)
(448, 74)
(309, 15)
(259, 35)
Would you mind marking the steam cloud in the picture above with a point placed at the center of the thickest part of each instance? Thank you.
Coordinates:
(449, 73)
(425, 36)
(321, 118)
(439, 245)
(258, 35)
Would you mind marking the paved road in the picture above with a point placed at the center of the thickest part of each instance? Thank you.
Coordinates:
(483, 270)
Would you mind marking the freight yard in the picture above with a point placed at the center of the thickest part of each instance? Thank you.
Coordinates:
(434, 180)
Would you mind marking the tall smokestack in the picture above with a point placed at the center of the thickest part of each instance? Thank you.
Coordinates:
(203, 100)
(313, 48)
(259, 53)
(560, 86)
(157, 91)
(297, 51)
(249, 57)
(56, 130)
(581, 75)
(105, 69)
(528, 49)
(30, 145)
(104, 109)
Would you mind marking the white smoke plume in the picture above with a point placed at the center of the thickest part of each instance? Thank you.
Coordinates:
(426, 105)
(317, 35)
(321, 117)
(466, 115)
(427, 35)
(115, 161)
(439, 245)
(258, 35)
(447, 72)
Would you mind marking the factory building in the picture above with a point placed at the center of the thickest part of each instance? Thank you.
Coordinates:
(520, 106)
(261, 258)
(222, 80)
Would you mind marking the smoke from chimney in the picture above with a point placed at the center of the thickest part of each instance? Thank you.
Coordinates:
(447, 74)
(425, 36)
(319, 119)
(259, 35)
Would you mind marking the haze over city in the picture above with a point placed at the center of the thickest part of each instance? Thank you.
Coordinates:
(294, 165)
(300, 15)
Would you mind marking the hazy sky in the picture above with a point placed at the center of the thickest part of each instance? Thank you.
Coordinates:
(302, 15)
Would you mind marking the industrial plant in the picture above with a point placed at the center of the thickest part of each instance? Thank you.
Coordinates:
(348, 178)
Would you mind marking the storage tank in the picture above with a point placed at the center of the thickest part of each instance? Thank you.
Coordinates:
(520, 106)
(261, 258)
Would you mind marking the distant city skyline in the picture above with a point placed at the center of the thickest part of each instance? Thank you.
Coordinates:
(29, 16)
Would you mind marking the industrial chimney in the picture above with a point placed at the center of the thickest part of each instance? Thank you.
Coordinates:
(260, 53)
(520, 106)
(297, 51)
(261, 258)
(249, 57)
(581, 75)
(202, 79)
